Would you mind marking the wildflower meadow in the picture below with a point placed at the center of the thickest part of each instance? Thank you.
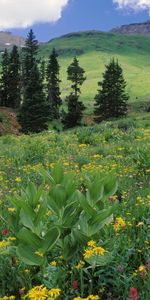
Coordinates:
(74, 214)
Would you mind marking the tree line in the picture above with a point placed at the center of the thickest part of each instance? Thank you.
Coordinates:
(32, 88)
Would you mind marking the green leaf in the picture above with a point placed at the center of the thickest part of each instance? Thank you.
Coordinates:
(26, 220)
(50, 239)
(93, 229)
(99, 260)
(40, 214)
(28, 237)
(102, 215)
(47, 177)
(110, 186)
(28, 256)
(85, 205)
(58, 173)
(58, 194)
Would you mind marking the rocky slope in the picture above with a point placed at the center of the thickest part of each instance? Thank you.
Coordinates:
(135, 28)
(7, 40)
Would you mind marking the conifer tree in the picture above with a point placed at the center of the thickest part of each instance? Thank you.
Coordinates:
(34, 111)
(14, 93)
(75, 107)
(53, 87)
(111, 100)
(4, 81)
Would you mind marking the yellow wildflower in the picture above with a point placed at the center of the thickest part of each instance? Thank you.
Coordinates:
(88, 253)
(80, 265)
(18, 179)
(4, 244)
(11, 209)
(141, 268)
(99, 250)
(54, 293)
(53, 263)
(91, 243)
(12, 238)
(38, 292)
(49, 213)
(8, 298)
(39, 253)
(92, 297)
(119, 224)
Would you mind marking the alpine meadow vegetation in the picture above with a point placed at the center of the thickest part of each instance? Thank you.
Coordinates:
(75, 201)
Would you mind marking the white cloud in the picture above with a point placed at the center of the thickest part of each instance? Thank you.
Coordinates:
(24, 13)
(134, 4)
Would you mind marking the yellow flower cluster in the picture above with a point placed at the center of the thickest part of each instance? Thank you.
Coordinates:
(93, 250)
(4, 244)
(80, 265)
(8, 298)
(119, 224)
(42, 293)
(90, 297)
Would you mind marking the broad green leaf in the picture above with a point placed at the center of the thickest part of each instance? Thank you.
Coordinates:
(85, 205)
(95, 228)
(50, 239)
(99, 260)
(26, 219)
(58, 194)
(110, 186)
(28, 256)
(40, 214)
(58, 173)
(102, 215)
(46, 176)
(26, 236)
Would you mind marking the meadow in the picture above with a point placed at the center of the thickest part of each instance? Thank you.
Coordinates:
(94, 50)
(74, 213)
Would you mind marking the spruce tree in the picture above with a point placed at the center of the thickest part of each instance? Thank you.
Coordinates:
(111, 100)
(53, 88)
(4, 81)
(34, 111)
(14, 94)
(75, 107)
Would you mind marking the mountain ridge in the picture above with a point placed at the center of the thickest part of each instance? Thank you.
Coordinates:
(8, 39)
(142, 28)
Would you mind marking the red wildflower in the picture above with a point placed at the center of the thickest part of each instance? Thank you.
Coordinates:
(5, 231)
(75, 285)
(21, 291)
(133, 294)
(120, 268)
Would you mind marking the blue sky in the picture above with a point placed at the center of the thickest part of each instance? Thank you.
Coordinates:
(85, 15)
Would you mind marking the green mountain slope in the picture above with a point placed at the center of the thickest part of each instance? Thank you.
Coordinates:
(94, 50)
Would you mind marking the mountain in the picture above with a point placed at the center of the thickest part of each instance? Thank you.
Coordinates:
(94, 50)
(132, 29)
(7, 40)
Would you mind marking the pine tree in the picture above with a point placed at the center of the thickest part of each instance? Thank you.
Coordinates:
(111, 100)
(75, 107)
(34, 111)
(53, 83)
(4, 81)
(14, 93)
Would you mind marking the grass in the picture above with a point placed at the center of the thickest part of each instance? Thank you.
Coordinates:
(94, 50)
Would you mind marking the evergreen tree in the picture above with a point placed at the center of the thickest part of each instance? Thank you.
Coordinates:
(4, 81)
(33, 114)
(111, 100)
(14, 93)
(75, 107)
(53, 88)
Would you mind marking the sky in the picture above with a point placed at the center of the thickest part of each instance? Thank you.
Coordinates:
(53, 18)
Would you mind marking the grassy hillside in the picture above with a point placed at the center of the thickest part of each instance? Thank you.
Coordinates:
(94, 50)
